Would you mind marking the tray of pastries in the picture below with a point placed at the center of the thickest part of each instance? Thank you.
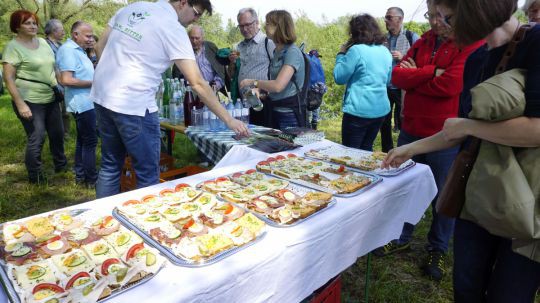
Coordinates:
(331, 178)
(358, 160)
(191, 227)
(276, 201)
(73, 256)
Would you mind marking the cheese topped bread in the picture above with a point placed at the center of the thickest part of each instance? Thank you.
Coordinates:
(29, 275)
(39, 226)
(73, 262)
(99, 251)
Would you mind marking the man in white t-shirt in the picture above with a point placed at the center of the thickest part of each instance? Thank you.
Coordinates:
(142, 40)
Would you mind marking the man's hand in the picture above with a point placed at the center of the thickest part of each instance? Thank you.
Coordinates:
(409, 63)
(396, 55)
(238, 127)
(232, 57)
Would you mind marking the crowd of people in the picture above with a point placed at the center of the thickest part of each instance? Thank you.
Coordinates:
(422, 84)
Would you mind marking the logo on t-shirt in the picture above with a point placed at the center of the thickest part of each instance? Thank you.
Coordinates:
(136, 18)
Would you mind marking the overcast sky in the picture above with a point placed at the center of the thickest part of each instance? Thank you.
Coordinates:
(318, 10)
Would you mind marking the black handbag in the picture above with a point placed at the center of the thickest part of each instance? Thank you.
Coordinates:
(58, 95)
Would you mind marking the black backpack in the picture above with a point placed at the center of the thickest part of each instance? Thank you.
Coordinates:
(303, 105)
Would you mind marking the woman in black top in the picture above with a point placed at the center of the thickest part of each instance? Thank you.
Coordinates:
(486, 269)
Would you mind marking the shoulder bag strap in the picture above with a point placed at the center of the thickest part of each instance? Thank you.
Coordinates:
(268, 55)
(35, 81)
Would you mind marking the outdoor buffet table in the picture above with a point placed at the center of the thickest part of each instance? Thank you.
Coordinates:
(288, 264)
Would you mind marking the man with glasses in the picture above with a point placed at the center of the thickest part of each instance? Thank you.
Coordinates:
(256, 52)
(431, 74)
(206, 55)
(399, 41)
(142, 40)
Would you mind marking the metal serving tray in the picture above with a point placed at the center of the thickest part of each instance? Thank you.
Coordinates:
(169, 254)
(281, 225)
(13, 296)
(392, 172)
(295, 188)
(374, 181)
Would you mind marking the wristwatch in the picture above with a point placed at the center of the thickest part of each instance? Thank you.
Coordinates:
(256, 83)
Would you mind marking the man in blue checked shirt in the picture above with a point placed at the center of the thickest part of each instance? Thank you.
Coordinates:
(76, 74)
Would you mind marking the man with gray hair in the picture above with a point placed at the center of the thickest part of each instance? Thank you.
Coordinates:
(399, 41)
(255, 53)
(54, 34)
(76, 74)
(206, 56)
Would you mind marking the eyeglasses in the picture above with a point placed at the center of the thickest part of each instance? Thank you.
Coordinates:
(247, 24)
(429, 16)
(390, 17)
(196, 12)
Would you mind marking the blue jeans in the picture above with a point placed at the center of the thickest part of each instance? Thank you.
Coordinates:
(442, 227)
(85, 147)
(359, 132)
(487, 270)
(284, 120)
(315, 116)
(123, 134)
(46, 120)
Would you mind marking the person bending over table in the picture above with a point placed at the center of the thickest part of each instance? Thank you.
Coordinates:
(287, 73)
(139, 44)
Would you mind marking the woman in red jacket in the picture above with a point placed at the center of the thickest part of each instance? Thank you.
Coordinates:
(431, 73)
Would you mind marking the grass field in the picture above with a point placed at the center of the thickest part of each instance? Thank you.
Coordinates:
(393, 279)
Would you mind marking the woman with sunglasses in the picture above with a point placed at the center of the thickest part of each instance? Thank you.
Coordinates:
(487, 268)
(29, 74)
(287, 73)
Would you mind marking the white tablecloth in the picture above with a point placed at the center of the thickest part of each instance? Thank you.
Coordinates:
(288, 264)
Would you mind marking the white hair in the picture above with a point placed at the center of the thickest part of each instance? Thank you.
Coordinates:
(247, 10)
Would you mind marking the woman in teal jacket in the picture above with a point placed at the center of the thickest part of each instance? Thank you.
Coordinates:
(364, 64)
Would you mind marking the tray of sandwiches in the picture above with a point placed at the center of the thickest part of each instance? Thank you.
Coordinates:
(319, 175)
(276, 201)
(73, 256)
(190, 227)
(358, 160)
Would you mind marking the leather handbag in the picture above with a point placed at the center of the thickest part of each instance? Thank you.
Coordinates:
(452, 197)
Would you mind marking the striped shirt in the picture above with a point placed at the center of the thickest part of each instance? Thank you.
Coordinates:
(254, 60)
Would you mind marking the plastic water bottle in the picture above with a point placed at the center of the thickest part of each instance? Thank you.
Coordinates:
(177, 108)
(245, 113)
(213, 122)
(238, 110)
(205, 118)
(230, 108)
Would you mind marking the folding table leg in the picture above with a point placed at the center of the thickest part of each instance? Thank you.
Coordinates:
(368, 274)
